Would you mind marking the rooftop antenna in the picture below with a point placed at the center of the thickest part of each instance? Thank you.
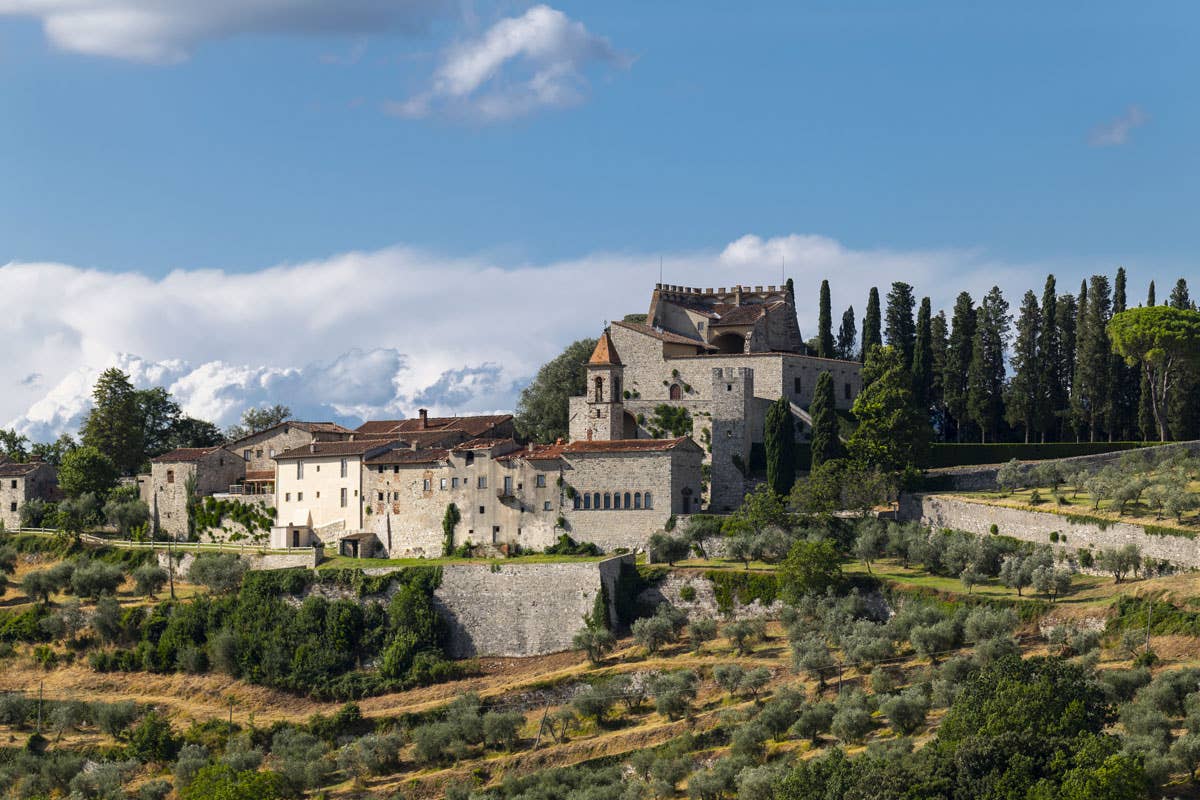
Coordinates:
(782, 261)
(660, 269)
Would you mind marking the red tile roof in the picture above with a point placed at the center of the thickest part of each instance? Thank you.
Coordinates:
(539, 452)
(605, 353)
(260, 474)
(308, 427)
(625, 445)
(481, 444)
(470, 426)
(665, 336)
(183, 454)
(12, 469)
(344, 448)
(408, 457)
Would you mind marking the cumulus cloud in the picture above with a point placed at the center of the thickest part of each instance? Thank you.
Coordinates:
(518, 66)
(380, 334)
(168, 31)
(1118, 131)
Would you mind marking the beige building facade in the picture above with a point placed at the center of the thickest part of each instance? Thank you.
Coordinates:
(22, 482)
(214, 470)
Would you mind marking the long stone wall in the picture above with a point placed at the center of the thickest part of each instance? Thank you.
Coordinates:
(521, 609)
(942, 511)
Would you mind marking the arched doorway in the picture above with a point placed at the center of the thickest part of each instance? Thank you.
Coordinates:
(630, 426)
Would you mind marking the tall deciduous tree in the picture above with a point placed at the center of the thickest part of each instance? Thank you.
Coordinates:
(259, 419)
(1024, 390)
(958, 362)
(1051, 398)
(826, 445)
(847, 337)
(872, 325)
(922, 364)
(542, 409)
(825, 324)
(779, 442)
(1091, 400)
(86, 470)
(891, 433)
(900, 330)
(1162, 340)
(985, 376)
(114, 425)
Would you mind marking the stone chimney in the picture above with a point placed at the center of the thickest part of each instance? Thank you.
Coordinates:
(424, 414)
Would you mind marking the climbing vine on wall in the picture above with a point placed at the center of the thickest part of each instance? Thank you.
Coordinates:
(254, 518)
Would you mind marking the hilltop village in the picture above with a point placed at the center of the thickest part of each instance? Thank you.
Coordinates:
(384, 488)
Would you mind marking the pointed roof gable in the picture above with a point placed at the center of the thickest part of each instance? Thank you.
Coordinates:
(605, 353)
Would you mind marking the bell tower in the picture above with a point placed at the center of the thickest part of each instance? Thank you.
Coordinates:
(605, 401)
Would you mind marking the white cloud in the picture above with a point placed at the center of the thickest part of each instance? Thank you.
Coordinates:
(168, 31)
(521, 64)
(1118, 131)
(380, 334)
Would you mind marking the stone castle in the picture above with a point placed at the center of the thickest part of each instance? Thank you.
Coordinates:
(630, 464)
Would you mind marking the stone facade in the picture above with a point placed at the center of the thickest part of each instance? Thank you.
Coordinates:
(20, 483)
(215, 470)
(521, 609)
(528, 496)
(684, 358)
(942, 511)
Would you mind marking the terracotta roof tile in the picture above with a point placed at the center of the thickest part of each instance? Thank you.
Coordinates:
(481, 444)
(343, 448)
(625, 445)
(539, 452)
(665, 336)
(13, 469)
(605, 353)
(183, 454)
(260, 474)
(470, 426)
(408, 457)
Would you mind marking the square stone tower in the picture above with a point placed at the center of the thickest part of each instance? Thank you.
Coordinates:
(732, 401)
(600, 414)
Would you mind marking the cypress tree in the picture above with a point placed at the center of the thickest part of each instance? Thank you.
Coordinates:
(1068, 317)
(825, 324)
(871, 336)
(1146, 425)
(1051, 388)
(958, 362)
(1150, 301)
(900, 330)
(1092, 396)
(1125, 379)
(779, 442)
(1180, 297)
(1081, 320)
(922, 366)
(826, 445)
(847, 335)
(938, 333)
(1023, 392)
(985, 376)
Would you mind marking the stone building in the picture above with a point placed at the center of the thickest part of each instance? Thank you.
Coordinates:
(615, 494)
(214, 470)
(258, 450)
(22, 482)
(722, 355)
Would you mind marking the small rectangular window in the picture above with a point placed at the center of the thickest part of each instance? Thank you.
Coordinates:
(343, 498)
(454, 483)
(381, 497)
(847, 389)
(299, 497)
(482, 510)
(246, 454)
(14, 483)
(541, 481)
(287, 497)
(299, 470)
(427, 484)
(272, 452)
(508, 484)
(13, 506)
(482, 482)
(258, 453)
(546, 506)
(442, 484)
(345, 468)
(170, 476)
(796, 386)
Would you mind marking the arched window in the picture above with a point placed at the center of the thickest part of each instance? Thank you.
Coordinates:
(637, 500)
(676, 392)
(577, 502)
(599, 390)
(627, 500)
(649, 502)
(587, 502)
(596, 501)
(607, 501)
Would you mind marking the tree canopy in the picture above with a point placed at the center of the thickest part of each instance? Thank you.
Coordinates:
(542, 409)
(1164, 341)
(892, 434)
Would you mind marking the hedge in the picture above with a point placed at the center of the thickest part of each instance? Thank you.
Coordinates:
(944, 454)
(744, 587)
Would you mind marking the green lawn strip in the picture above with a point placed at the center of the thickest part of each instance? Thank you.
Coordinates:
(1079, 510)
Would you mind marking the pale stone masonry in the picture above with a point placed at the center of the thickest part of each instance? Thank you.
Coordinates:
(22, 482)
(215, 470)
(725, 356)
(258, 450)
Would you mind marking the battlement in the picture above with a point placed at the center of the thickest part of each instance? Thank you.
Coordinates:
(735, 295)
(736, 374)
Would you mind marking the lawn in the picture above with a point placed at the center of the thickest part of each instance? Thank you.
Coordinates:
(1070, 502)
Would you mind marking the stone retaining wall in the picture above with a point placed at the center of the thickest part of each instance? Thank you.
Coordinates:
(521, 609)
(302, 558)
(942, 511)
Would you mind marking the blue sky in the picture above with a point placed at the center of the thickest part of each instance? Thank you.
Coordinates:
(1009, 139)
